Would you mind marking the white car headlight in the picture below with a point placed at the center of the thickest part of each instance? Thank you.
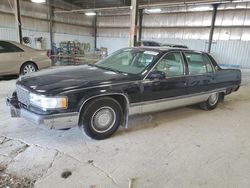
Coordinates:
(47, 103)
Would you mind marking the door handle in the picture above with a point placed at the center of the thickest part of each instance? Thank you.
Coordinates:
(20, 55)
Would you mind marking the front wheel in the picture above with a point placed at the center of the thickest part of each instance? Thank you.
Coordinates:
(211, 102)
(101, 118)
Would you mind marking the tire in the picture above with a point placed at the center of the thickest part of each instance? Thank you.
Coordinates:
(28, 68)
(212, 102)
(101, 118)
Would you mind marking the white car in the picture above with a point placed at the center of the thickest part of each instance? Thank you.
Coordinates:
(18, 59)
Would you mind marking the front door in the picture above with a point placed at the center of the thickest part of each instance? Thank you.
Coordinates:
(172, 85)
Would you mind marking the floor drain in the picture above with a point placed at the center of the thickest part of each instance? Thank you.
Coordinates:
(66, 174)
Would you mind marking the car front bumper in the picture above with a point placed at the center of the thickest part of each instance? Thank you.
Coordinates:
(56, 121)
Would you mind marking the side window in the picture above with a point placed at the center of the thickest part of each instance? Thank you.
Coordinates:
(144, 59)
(171, 65)
(3, 48)
(6, 47)
(198, 63)
(208, 64)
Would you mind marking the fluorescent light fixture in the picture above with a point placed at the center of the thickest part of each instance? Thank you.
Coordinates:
(38, 1)
(90, 13)
(153, 10)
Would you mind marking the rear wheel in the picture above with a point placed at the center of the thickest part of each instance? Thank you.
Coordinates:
(28, 68)
(101, 118)
(211, 102)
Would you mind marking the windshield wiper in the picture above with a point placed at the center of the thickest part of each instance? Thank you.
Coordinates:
(110, 69)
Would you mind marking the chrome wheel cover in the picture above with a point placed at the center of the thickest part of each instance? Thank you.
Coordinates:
(103, 119)
(28, 69)
(213, 99)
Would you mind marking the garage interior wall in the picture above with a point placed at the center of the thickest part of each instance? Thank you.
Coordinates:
(35, 24)
(188, 25)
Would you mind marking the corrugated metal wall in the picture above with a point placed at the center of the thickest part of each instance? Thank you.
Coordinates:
(182, 25)
(188, 25)
(35, 24)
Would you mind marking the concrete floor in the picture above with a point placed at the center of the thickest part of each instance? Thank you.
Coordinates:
(186, 147)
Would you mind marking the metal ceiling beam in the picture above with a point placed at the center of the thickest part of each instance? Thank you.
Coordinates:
(94, 9)
(186, 2)
(165, 4)
(62, 4)
(98, 3)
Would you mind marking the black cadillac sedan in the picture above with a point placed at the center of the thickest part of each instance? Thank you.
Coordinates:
(100, 97)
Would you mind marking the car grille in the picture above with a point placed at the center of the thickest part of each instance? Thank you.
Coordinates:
(22, 95)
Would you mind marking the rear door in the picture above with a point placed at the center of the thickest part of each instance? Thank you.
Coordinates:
(201, 76)
(10, 56)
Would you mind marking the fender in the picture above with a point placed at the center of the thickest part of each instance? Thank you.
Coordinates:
(96, 95)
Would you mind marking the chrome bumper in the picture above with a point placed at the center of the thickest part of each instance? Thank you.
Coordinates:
(57, 121)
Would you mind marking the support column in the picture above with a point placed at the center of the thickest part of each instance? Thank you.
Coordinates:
(18, 22)
(51, 17)
(215, 7)
(133, 26)
(140, 24)
(95, 31)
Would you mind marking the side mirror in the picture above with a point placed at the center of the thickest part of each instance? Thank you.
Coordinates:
(158, 75)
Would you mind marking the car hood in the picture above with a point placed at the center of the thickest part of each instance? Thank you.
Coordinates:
(58, 80)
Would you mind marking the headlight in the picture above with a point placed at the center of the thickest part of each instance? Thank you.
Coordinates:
(47, 103)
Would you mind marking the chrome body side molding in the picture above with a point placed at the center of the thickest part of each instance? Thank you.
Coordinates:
(170, 103)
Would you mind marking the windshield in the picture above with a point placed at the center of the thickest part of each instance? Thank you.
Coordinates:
(129, 61)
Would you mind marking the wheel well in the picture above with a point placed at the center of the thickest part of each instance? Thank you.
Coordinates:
(120, 98)
(27, 63)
